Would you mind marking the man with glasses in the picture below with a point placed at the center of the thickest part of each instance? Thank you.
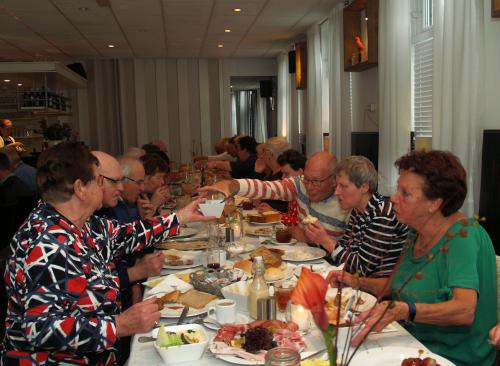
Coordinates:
(313, 191)
(150, 264)
(133, 203)
(129, 273)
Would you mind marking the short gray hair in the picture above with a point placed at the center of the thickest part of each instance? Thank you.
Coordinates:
(360, 170)
(277, 145)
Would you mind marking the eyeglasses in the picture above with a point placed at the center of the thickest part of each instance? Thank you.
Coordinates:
(138, 182)
(313, 182)
(114, 181)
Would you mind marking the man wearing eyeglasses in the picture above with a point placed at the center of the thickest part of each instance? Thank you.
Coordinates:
(128, 273)
(132, 204)
(313, 191)
(111, 171)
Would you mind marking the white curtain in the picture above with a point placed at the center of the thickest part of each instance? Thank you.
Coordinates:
(260, 133)
(313, 128)
(394, 88)
(283, 101)
(340, 128)
(458, 80)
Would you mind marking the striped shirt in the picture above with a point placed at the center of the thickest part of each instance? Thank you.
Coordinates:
(372, 241)
(329, 214)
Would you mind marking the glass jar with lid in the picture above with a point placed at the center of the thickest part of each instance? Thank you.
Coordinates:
(282, 356)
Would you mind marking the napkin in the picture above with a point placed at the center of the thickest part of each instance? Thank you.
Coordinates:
(169, 284)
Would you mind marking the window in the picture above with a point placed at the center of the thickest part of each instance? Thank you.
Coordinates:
(422, 59)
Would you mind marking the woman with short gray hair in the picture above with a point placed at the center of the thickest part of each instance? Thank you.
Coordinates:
(374, 237)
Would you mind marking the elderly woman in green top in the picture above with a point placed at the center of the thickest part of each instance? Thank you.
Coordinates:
(445, 286)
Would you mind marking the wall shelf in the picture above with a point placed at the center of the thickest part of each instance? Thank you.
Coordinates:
(360, 19)
(36, 92)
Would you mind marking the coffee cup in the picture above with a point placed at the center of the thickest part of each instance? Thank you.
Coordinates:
(225, 311)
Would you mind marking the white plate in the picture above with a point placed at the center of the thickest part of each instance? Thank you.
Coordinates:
(320, 268)
(185, 232)
(168, 312)
(249, 230)
(240, 361)
(393, 355)
(287, 274)
(265, 223)
(275, 242)
(347, 292)
(240, 319)
(303, 254)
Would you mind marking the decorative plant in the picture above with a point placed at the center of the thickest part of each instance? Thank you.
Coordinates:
(311, 289)
(57, 131)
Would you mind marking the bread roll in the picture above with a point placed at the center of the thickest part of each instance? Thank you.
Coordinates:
(245, 265)
(309, 220)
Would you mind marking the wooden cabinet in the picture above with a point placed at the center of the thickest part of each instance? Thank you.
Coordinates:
(360, 20)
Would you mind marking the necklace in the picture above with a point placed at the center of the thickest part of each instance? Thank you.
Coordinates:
(423, 246)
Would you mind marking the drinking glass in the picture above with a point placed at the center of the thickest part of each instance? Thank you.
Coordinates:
(282, 293)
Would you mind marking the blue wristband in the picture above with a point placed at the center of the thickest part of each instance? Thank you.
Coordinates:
(412, 311)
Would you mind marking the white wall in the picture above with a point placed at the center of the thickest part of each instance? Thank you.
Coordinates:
(364, 93)
(492, 69)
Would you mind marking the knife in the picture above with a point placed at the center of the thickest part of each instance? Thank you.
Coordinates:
(183, 315)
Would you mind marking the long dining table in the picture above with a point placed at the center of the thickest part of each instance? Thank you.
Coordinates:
(397, 336)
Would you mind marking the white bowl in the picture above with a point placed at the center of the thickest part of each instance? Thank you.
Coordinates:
(212, 208)
(186, 352)
(238, 292)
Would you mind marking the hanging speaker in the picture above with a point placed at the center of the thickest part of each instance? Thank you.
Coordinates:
(78, 68)
(291, 62)
(266, 88)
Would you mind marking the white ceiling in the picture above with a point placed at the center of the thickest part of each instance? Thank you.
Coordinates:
(82, 29)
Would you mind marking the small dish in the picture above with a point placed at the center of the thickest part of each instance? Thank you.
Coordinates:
(186, 352)
(212, 207)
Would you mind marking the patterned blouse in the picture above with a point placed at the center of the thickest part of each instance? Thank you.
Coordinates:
(373, 240)
(62, 290)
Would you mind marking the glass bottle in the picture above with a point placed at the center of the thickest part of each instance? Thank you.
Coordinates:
(258, 288)
(282, 356)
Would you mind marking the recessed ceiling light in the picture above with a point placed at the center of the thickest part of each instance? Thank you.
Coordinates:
(237, 10)
(19, 84)
(6, 80)
(83, 8)
(220, 45)
(227, 30)
(111, 45)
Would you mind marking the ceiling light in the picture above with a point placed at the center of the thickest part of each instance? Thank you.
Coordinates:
(227, 30)
(83, 8)
(111, 45)
(366, 18)
(19, 84)
(237, 10)
(6, 80)
(220, 45)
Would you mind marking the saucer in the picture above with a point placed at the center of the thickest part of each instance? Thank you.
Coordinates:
(211, 322)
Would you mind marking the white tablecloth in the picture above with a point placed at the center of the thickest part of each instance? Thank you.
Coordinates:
(145, 354)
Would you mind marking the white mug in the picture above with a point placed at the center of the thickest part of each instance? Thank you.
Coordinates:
(225, 311)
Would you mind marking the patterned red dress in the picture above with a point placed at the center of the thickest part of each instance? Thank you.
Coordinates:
(62, 290)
